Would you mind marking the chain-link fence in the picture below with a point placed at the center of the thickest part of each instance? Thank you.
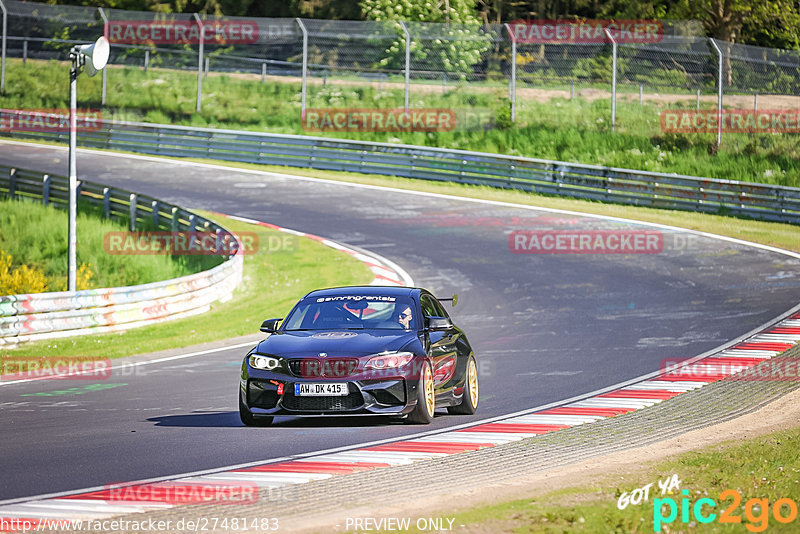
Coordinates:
(507, 68)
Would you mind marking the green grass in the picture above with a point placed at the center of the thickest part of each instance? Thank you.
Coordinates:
(574, 131)
(767, 467)
(273, 280)
(36, 235)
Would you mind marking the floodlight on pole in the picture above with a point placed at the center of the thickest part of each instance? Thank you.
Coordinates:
(92, 57)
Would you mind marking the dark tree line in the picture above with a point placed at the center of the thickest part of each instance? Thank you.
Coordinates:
(772, 23)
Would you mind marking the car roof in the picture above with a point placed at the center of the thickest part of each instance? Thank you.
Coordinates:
(395, 291)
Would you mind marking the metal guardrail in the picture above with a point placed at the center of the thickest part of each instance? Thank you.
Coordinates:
(39, 316)
(591, 182)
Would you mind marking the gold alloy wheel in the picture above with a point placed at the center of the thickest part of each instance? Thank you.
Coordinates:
(472, 377)
(429, 396)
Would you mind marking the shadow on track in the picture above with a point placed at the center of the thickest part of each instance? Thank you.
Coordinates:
(231, 419)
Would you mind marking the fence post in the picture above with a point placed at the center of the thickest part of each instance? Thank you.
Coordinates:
(513, 73)
(408, 60)
(12, 183)
(155, 208)
(199, 64)
(175, 219)
(698, 99)
(641, 93)
(305, 68)
(613, 78)
(106, 202)
(207, 67)
(263, 73)
(24, 51)
(133, 212)
(719, 92)
(105, 71)
(146, 59)
(5, 31)
(46, 189)
(755, 103)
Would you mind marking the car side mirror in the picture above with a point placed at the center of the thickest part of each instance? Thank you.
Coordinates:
(270, 326)
(438, 324)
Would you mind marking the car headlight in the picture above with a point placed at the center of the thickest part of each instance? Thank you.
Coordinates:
(391, 360)
(264, 362)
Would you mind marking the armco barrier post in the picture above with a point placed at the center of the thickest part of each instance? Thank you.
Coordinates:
(613, 78)
(305, 68)
(199, 64)
(408, 60)
(46, 189)
(513, 73)
(133, 212)
(106, 202)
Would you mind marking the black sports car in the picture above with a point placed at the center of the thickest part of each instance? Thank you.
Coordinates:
(360, 351)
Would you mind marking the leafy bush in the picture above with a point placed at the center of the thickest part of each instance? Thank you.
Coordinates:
(21, 279)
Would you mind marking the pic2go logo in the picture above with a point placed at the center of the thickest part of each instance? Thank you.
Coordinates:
(756, 511)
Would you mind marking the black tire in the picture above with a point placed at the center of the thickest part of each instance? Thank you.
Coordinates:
(469, 402)
(252, 420)
(426, 400)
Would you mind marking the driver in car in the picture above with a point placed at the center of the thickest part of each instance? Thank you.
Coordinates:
(404, 317)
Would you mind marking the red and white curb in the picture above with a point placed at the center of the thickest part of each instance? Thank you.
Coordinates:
(210, 487)
(386, 272)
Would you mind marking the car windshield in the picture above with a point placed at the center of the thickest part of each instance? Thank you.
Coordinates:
(352, 312)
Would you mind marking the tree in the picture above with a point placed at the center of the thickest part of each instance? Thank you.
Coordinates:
(745, 20)
(734, 21)
(456, 46)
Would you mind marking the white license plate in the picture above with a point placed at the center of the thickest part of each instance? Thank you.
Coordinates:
(312, 389)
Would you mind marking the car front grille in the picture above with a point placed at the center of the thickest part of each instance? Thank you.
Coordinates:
(323, 367)
(322, 404)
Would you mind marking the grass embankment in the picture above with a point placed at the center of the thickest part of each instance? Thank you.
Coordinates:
(274, 278)
(552, 128)
(35, 238)
(765, 468)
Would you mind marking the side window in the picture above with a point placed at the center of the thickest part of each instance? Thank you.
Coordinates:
(428, 306)
(440, 311)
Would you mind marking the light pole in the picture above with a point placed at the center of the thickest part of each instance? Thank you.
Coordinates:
(97, 56)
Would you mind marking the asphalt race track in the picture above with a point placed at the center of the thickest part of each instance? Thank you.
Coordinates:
(545, 327)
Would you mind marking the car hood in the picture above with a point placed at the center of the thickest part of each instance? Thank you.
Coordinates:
(335, 343)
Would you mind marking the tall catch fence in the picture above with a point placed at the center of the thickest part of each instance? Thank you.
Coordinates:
(510, 68)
